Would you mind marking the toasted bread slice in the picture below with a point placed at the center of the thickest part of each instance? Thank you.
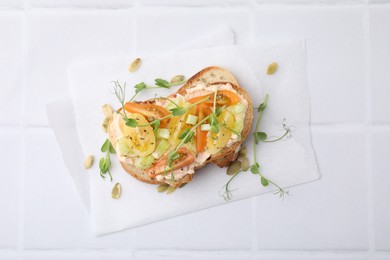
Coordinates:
(209, 75)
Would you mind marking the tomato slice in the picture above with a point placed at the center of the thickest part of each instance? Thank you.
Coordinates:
(186, 158)
(202, 110)
(224, 97)
(150, 111)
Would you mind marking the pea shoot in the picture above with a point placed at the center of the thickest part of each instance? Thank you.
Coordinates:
(255, 167)
(105, 162)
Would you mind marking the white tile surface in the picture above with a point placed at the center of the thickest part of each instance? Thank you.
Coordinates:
(335, 60)
(79, 256)
(381, 178)
(162, 30)
(223, 227)
(8, 256)
(58, 38)
(11, 4)
(10, 58)
(380, 63)
(205, 256)
(10, 150)
(54, 216)
(81, 3)
(223, 3)
(330, 214)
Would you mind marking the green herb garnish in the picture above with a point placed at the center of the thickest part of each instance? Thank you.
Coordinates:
(105, 162)
(255, 168)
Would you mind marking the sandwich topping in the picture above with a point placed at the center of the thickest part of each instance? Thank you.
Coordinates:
(173, 136)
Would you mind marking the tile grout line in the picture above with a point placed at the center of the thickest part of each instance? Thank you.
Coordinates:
(24, 50)
(370, 188)
(134, 21)
(254, 238)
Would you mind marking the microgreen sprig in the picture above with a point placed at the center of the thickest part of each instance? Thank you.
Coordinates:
(158, 83)
(255, 167)
(105, 162)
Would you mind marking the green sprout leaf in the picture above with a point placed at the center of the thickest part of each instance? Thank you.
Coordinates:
(184, 133)
(255, 168)
(111, 149)
(218, 111)
(188, 137)
(131, 122)
(162, 83)
(260, 136)
(139, 87)
(178, 111)
(264, 181)
(261, 107)
(105, 146)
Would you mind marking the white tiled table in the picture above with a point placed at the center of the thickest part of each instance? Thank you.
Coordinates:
(345, 215)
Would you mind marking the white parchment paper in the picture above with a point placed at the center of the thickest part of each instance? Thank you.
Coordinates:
(289, 162)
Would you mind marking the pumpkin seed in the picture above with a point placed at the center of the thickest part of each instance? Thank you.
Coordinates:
(107, 110)
(177, 79)
(88, 161)
(171, 189)
(242, 152)
(233, 168)
(116, 191)
(272, 68)
(134, 66)
(162, 187)
(245, 164)
(105, 124)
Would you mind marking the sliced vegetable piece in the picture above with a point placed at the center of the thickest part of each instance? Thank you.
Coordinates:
(216, 141)
(185, 158)
(202, 111)
(150, 111)
(140, 140)
(224, 97)
(163, 133)
(144, 162)
(161, 148)
(192, 120)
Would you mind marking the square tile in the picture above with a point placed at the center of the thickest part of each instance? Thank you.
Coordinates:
(11, 4)
(330, 214)
(193, 256)
(335, 55)
(9, 256)
(10, 67)
(77, 256)
(58, 38)
(224, 227)
(225, 3)
(81, 3)
(54, 215)
(160, 30)
(380, 63)
(10, 151)
(381, 180)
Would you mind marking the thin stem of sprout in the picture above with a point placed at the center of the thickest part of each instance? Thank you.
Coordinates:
(170, 100)
(198, 102)
(257, 126)
(151, 123)
(275, 140)
(231, 130)
(215, 98)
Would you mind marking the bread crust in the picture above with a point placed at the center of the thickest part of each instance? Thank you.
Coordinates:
(210, 75)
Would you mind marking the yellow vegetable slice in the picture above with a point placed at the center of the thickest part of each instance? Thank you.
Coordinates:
(140, 140)
(217, 141)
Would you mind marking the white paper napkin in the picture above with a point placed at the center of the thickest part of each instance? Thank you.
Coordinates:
(289, 162)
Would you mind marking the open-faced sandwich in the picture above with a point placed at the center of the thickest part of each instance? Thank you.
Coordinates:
(165, 140)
